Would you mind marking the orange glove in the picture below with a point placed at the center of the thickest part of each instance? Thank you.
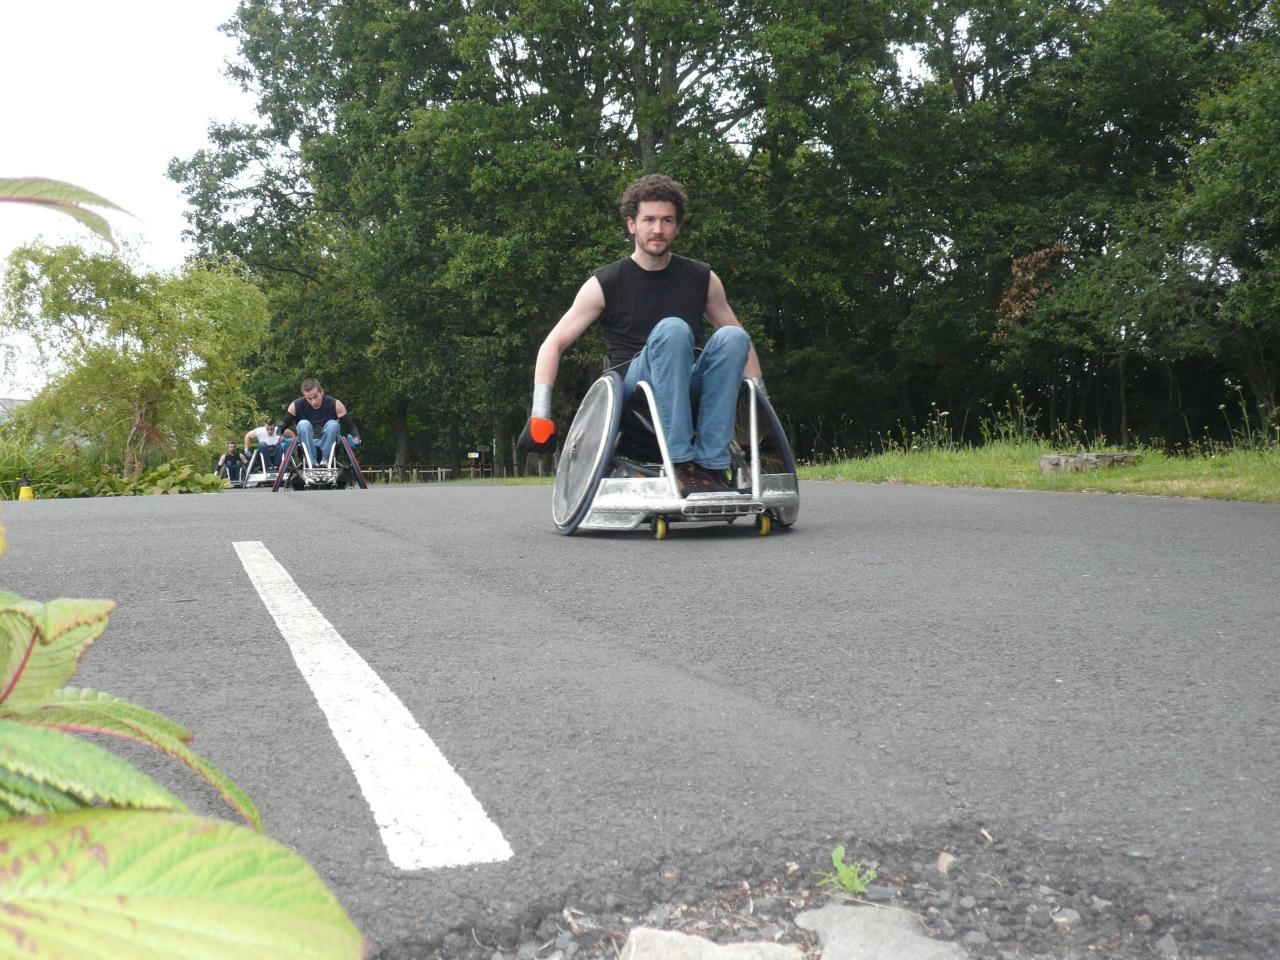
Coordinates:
(538, 435)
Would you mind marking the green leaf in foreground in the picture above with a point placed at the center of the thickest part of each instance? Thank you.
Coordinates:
(64, 630)
(87, 711)
(124, 884)
(78, 769)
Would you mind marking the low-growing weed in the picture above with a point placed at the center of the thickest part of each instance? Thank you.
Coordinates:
(850, 877)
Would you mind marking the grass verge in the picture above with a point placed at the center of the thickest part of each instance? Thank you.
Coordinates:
(1223, 475)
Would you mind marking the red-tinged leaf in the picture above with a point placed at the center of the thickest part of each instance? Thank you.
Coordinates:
(80, 769)
(67, 629)
(19, 635)
(119, 708)
(90, 713)
(60, 197)
(45, 190)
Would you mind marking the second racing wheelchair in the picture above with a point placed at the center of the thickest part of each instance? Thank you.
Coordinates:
(615, 471)
(299, 471)
(257, 473)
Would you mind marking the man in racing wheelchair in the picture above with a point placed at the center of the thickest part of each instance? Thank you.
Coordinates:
(672, 431)
(320, 421)
(268, 443)
(651, 306)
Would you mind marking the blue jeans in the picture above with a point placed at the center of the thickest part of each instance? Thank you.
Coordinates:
(713, 378)
(328, 437)
(271, 455)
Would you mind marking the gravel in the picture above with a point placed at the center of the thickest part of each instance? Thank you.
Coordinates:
(1005, 898)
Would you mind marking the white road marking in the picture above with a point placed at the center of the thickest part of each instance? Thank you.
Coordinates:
(426, 813)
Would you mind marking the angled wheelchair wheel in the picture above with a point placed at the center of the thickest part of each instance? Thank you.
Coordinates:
(284, 467)
(586, 452)
(356, 473)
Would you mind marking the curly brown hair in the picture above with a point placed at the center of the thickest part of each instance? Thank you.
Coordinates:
(655, 186)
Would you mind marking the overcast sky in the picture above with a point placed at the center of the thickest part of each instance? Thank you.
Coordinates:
(104, 93)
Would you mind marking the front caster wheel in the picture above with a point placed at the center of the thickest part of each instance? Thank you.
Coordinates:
(764, 523)
(659, 527)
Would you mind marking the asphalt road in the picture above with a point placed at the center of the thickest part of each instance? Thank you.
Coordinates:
(1097, 672)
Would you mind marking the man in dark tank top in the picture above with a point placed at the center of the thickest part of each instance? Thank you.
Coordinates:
(651, 307)
(319, 419)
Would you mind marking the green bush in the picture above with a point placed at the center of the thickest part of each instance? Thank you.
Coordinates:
(57, 471)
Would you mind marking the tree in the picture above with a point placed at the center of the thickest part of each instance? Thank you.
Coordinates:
(431, 183)
(1230, 220)
(146, 360)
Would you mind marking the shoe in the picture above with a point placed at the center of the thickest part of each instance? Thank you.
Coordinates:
(691, 478)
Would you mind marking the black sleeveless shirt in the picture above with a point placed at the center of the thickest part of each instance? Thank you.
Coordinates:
(319, 416)
(635, 299)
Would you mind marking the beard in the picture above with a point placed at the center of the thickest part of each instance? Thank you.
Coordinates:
(655, 247)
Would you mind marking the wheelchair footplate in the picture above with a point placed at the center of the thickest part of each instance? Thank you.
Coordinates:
(624, 503)
(320, 476)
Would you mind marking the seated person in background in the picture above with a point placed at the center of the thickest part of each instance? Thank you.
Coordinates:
(314, 412)
(267, 438)
(229, 463)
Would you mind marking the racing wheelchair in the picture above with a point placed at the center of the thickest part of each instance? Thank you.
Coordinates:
(256, 473)
(299, 471)
(615, 470)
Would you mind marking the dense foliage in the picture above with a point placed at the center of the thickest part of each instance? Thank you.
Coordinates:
(909, 203)
(148, 364)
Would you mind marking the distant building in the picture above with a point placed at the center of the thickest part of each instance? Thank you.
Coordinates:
(8, 405)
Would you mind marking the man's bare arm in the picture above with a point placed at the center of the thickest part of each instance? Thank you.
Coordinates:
(720, 314)
(587, 306)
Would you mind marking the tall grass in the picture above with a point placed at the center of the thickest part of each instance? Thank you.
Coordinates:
(81, 471)
(45, 466)
(1244, 467)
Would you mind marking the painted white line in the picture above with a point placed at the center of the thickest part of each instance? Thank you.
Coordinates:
(427, 815)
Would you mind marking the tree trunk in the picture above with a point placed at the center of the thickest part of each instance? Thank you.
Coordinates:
(646, 134)
(135, 447)
(1122, 402)
(455, 451)
(400, 417)
(499, 446)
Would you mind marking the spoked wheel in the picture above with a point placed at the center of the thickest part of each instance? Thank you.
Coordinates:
(587, 452)
(659, 526)
(764, 523)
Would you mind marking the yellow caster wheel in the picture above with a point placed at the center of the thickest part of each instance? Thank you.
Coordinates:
(659, 526)
(764, 523)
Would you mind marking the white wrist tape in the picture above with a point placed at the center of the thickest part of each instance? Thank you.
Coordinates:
(542, 401)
